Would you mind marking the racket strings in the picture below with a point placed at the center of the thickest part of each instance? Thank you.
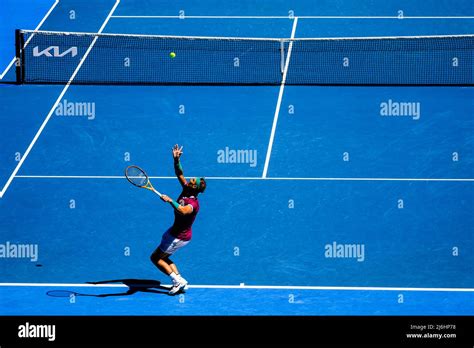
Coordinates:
(136, 176)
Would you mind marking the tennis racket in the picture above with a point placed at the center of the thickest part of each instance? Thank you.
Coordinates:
(137, 177)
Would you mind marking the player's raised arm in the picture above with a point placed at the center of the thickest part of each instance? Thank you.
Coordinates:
(177, 152)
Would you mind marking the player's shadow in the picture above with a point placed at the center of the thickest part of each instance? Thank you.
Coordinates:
(134, 286)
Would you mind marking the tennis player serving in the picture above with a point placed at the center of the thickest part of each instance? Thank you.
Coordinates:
(178, 235)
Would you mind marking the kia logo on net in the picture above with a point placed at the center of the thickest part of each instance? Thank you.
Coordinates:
(53, 51)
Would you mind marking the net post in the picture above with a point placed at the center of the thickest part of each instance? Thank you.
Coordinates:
(19, 42)
(282, 56)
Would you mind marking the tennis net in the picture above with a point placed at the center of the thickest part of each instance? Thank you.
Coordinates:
(53, 58)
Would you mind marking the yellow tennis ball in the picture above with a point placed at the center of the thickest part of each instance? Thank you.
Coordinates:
(172, 54)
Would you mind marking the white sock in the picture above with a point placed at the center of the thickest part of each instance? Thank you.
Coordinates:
(174, 277)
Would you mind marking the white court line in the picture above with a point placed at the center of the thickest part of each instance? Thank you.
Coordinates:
(288, 17)
(280, 97)
(29, 39)
(66, 87)
(242, 178)
(264, 287)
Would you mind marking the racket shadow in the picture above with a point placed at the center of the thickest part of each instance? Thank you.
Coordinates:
(134, 286)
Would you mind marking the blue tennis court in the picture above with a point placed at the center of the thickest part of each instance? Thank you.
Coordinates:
(321, 200)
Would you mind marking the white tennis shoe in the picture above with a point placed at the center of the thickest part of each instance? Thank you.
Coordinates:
(180, 285)
(182, 280)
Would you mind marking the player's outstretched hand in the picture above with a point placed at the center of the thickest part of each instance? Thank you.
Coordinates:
(177, 151)
(165, 198)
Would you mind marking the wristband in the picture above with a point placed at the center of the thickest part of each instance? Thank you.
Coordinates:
(175, 204)
(177, 168)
